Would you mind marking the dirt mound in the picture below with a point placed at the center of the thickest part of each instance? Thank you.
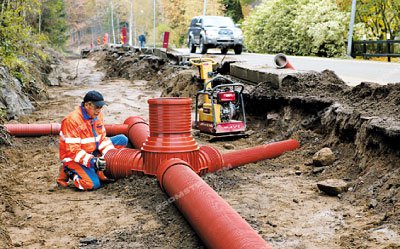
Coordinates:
(369, 99)
(360, 123)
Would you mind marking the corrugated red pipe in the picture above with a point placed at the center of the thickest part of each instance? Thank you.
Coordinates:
(213, 219)
(134, 127)
(123, 163)
(30, 130)
(26, 130)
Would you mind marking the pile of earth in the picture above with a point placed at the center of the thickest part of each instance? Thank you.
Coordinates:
(360, 124)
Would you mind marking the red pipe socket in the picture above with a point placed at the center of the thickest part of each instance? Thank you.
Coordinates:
(138, 131)
(170, 134)
(214, 220)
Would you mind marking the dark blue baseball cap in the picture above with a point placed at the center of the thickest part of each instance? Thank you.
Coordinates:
(95, 97)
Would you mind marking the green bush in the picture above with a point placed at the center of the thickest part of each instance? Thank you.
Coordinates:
(304, 27)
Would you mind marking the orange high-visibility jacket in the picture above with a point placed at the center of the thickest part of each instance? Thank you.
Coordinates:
(80, 136)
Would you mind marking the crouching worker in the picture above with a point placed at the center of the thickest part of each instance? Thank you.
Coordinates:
(83, 144)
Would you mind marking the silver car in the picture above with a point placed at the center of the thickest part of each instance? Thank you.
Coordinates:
(214, 32)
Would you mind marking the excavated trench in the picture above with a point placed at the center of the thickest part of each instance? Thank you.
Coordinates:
(279, 198)
(361, 125)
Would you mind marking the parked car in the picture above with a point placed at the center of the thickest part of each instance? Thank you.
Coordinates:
(214, 32)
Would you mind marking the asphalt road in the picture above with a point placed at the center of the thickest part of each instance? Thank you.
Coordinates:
(353, 72)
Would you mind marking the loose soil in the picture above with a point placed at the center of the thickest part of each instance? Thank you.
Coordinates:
(277, 197)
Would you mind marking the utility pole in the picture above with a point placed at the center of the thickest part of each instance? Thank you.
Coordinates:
(112, 21)
(352, 18)
(130, 23)
(154, 23)
(205, 8)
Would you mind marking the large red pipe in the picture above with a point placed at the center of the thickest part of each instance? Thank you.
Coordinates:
(138, 131)
(28, 130)
(134, 127)
(213, 219)
(251, 155)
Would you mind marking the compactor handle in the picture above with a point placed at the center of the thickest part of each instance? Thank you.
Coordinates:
(198, 61)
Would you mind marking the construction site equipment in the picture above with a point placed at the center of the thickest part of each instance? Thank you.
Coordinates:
(169, 151)
(222, 112)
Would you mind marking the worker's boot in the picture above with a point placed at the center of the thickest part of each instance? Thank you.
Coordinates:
(102, 177)
(63, 177)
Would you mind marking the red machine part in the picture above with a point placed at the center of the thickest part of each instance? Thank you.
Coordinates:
(229, 96)
(170, 134)
(213, 219)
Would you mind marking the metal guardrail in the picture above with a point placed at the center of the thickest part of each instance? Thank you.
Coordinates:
(379, 48)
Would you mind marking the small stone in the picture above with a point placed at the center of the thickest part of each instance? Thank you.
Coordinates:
(195, 133)
(332, 187)
(372, 204)
(324, 157)
(318, 170)
(229, 146)
(17, 244)
(88, 240)
(297, 172)
(295, 201)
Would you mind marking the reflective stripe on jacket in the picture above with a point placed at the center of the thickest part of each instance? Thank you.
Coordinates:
(80, 136)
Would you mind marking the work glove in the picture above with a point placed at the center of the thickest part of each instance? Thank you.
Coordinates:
(98, 163)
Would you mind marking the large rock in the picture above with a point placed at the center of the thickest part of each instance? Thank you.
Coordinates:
(12, 99)
(324, 157)
(332, 187)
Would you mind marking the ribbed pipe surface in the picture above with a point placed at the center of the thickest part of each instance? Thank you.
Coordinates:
(170, 133)
(28, 130)
(123, 163)
(22, 130)
(138, 131)
(214, 220)
(258, 153)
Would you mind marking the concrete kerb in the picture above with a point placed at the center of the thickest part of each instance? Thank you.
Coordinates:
(269, 75)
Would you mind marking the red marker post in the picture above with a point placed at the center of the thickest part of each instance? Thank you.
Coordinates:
(165, 39)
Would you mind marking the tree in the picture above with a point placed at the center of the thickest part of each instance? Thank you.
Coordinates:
(376, 17)
(178, 13)
(54, 22)
(233, 9)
